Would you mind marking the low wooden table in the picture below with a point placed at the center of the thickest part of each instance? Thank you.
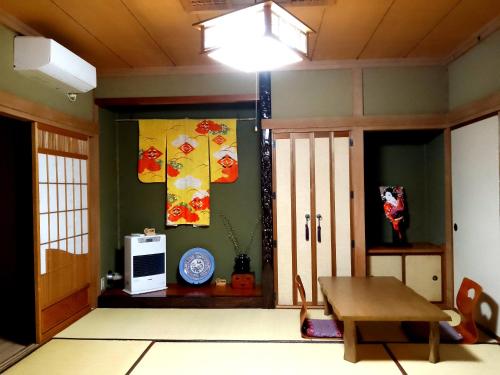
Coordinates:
(356, 299)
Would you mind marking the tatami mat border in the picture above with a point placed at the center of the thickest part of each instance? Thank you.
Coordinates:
(211, 341)
(138, 360)
(393, 357)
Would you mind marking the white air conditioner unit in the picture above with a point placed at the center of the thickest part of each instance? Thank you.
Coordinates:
(54, 64)
(145, 263)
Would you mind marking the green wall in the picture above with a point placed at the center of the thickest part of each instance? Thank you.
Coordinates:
(477, 73)
(319, 93)
(415, 161)
(143, 205)
(34, 90)
(405, 91)
(108, 190)
(176, 85)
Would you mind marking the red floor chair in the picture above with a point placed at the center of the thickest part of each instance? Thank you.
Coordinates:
(316, 328)
(464, 333)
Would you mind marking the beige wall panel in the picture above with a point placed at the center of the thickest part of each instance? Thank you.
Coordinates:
(323, 182)
(342, 206)
(303, 207)
(346, 27)
(443, 39)
(404, 26)
(420, 271)
(284, 222)
(385, 265)
(476, 206)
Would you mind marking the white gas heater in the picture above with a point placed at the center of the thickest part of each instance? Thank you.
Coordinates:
(145, 263)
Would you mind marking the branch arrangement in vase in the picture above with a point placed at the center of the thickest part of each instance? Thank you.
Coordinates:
(231, 234)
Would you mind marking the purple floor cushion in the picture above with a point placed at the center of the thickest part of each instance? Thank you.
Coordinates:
(323, 328)
(419, 332)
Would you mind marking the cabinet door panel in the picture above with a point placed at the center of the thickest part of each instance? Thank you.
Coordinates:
(302, 208)
(322, 179)
(423, 275)
(342, 206)
(283, 222)
(386, 265)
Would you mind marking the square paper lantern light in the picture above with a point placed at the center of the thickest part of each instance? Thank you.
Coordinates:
(261, 37)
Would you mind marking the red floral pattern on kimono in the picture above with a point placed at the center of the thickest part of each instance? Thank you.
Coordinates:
(206, 126)
(200, 203)
(148, 160)
(229, 169)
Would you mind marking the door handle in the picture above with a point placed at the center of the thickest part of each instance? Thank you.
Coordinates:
(308, 217)
(319, 217)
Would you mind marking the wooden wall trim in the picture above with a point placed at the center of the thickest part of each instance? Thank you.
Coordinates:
(14, 106)
(448, 283)
(94, 221)
(474, 40)
(437, 121)
(16, 25)
(474, 111)
(358, 202)
(174, 100)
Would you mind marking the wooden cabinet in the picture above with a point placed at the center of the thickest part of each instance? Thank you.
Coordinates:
(419, 266)
(388, 265)
(423, 275)
(311, 211)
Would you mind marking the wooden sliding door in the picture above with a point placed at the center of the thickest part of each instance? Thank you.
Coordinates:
(311, 211)
(62, 228)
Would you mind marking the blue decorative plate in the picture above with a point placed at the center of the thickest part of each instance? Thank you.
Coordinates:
(197, 265)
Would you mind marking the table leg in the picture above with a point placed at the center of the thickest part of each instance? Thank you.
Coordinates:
(350, 341)
(327, 308)
(434, 342)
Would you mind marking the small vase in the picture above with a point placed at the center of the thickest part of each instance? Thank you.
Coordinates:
(242, 263)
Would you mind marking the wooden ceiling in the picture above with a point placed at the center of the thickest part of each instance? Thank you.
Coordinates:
(135, 35)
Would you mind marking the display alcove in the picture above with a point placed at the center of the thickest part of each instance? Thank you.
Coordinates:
(415, 160)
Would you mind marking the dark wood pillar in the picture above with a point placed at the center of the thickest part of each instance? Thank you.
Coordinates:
(266, 190)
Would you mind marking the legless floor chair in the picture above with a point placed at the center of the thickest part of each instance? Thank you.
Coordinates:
(316, 328)
(466, 332)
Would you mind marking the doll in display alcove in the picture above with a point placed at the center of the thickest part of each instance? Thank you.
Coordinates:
(393, 199)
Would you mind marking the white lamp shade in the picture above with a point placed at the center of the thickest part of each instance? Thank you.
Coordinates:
(257, 38)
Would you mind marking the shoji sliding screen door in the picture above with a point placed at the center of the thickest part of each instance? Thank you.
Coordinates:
(62, 233)
(311, 212)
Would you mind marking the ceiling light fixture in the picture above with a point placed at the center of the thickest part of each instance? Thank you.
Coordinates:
(261, 37)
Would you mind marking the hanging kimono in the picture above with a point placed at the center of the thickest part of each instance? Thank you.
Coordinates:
(188, 154)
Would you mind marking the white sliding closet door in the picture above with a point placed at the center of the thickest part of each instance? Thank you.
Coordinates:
(303, 214)
(476, 206)
(312, 212)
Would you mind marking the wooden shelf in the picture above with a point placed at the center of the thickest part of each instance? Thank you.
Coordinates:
(408, 249)
(176, 295)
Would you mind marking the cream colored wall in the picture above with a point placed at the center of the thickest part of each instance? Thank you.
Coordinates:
(304, 93)
(476, 207)
(476, 74)
(405, 90)
(176, 85)
(31, 89)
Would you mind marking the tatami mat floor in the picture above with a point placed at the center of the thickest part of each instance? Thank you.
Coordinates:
(243, 341)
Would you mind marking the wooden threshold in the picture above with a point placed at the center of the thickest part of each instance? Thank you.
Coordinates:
(176, 295)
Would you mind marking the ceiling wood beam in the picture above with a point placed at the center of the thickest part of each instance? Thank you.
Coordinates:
(16, 25)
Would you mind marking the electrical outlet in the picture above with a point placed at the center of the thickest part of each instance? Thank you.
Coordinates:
(103, 283)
